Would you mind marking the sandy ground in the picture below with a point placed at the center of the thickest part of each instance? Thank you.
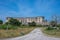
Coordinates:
(36, 34)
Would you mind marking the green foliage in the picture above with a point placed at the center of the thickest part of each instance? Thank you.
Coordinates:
(9, 27)
(1, 22)
(50, 28)
(53, 23)
(3, 26)
(58, 25)
(39, 25)
(6, 23)
(29, 24)
(14, 22)
(32, 24)
(24, 25)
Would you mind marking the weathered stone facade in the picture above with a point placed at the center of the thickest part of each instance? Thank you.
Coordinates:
(26, 20)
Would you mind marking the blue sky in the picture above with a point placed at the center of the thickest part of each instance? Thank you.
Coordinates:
(28, 8)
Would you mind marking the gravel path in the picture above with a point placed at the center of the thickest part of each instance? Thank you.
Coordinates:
(36, 34)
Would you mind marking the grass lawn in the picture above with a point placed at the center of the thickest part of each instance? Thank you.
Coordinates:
(53, 33)
(15, 32)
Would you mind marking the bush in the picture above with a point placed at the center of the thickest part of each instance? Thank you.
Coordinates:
(9, 27)
(1, 22)
(12, 27)
(3, 26)
(39, 25)
(50, 28)
(24, 25)
(14, 22)
(58, 25)
(53, 23)
(32, 24)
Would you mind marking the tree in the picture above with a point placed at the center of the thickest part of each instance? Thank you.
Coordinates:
(1, 22)
(29, 24)
(14, 22)
(32, 24)
(6, 23)
(54, 20)
(53, 23)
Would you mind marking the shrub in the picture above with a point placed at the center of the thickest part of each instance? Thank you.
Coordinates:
(12, 27)
(50, 28)
(14, 22)
(24, 25)
(1, 22)
(53, 23)
(9, 27)
(39, 25)
(32, 24)
(58, 25)
(2, 27)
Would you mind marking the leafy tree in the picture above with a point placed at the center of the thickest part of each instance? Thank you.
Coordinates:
(14, 22)
(29, 24)
(55, 19)
(32, 24)
(53, 23)
(6, 23)
(1, 22)
(58, 25)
